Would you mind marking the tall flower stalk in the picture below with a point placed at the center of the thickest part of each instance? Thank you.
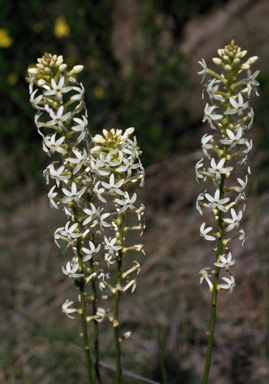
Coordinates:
(92, 178)
(226, 156)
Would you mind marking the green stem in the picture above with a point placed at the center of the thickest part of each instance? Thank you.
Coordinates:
(116, 307)
(83, 306)
(214, 293)
(95, 325)
(218, 253)
(215, 285)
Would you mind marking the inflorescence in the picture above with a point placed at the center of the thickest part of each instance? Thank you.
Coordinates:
(93, 181)
(226, 152)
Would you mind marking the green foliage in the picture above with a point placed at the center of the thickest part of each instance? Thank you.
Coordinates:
(146, 95)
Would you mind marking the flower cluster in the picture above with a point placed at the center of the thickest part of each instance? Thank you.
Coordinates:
(230, 115)
(93, 181)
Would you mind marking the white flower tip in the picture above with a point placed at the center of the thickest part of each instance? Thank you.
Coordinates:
(252, 60)
(245, 66)
(78, 68)
(129, 131)
(41, 82)
(33, 71)
(227, 68)
(62, 67)
(217, 61)
(243, 53)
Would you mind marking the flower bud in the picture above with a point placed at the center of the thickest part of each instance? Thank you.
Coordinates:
(245, 66)
(47, 70)
(227, 68)
(33, 71)
(217, 61)
(41, 82)
(62, 67)
(78, 68)
(236, 61)
(252, 60)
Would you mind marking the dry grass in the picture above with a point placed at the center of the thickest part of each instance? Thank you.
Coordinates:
(39, 344)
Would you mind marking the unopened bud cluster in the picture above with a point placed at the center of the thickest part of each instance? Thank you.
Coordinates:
(226, 152)
(93, 180)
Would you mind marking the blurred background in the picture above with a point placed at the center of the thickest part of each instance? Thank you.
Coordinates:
(140, 60)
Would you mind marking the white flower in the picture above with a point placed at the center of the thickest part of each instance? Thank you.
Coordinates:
(51, 196)
(98, 191)
(252, 84)
(55, 145)
(243, 185)
(59, 118)
(80, 160)
(100, 315)
(205, 276)
(35, 101)
(132, 145)
(69, 232)
(234, 222)
(204, 70)
(124, 148)
(106, 162)
(67, 310)
(73, 194)
(128, 167)
(82, 127)
(80, 94)
(204, 231)
(230, 284)
(37, 122)
(112, 187)
(200, 197)
(110, 245)
(249, 147)
(57, 236)
(205, 145)
(199, 175)
(238, 107)
(103, 222)
(127, 203)
(57, 174)
(234, 139)
(132, 284)
(226, 263)
(70, 271)
(218, 169)
(242, 236)
(58, 89)
(92, 213)
(212, 89)
(216, 202)
(209, 115)
(90, 252)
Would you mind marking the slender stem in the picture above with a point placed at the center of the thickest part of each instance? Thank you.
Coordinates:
(214, 297)
(116, 307)
(95, 325)
(215, 285)
(83, 306)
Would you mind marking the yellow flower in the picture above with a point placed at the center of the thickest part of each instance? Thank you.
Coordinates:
(37, 27)
(95, 64)
(61, 28)
(12, 78)
(99, 93)
(5, 39)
